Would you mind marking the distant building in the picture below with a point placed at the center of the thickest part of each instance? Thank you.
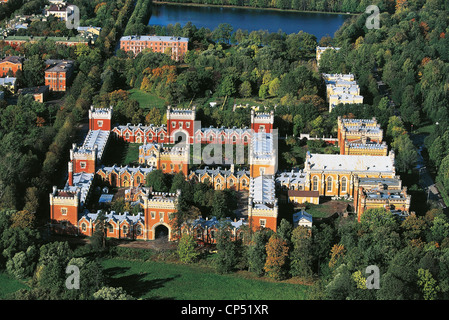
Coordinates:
(89, 31)
(205, 231)
(39, 93)
(59, 74)
(302, 196)
(10, 65)
(9, 83)
(168, 159)
(341, 88)
(60, 10)
(222, 178)
(126, 176)
(320, 51)
(302, 218)
(67, 41)
(361, 137)
(176, 46)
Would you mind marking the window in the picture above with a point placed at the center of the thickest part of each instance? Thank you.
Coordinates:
(234, 139)
(162, 136)
(173, 124)
(153, 214)
(262, 171)
(150, 136)
(344, 183)
(110, 228)
(263, 223)
(139, 230)
(161, 216)
(329, 184)
(231, 182)
(127, 135)
(125, 229)
(199, 233)
(212, 234)
(261, 128)
(245, 139)
(100, 123)
(180, 125)
(138, 179)
(83, 165)
(83, 227)
(64, 211)
(187, 124)
(164, 166)
(315, 183)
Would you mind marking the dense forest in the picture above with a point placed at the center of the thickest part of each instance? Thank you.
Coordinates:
(345, 6)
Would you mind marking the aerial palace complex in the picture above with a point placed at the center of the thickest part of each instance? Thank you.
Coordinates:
(363, 172)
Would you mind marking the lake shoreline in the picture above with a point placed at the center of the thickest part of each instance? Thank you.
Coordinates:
(249, 8)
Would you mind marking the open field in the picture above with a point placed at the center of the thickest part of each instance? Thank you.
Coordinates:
(9, 285)
(146, 100)
(158, 280)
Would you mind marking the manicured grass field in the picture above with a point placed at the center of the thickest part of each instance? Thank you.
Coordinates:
(132, 154)
(158, 280)
(146, 100)
(9, 285)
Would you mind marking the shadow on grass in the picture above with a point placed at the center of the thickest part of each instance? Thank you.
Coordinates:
(136, 284)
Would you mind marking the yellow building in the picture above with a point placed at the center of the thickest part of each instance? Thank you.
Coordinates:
(336, 175)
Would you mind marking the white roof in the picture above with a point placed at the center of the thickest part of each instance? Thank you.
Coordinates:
(262, 190)
(291, 177)
(262, 144)
(97, 138)
(351, 163)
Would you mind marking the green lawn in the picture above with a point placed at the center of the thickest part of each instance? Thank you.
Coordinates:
(8, 285)
(158, 280)
(145, 99)
(132, 154)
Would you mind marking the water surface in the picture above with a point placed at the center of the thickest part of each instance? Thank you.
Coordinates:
(318, 24)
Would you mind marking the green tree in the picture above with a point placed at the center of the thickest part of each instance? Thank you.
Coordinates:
(245, 89)
(33, 71)
(301, 255)
(227, 255)
(157, 181)
(23, 263)
(187, 248)
(257, 254)
(428, 284)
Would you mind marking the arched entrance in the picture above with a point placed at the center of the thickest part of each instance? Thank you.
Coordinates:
(161, 232)
(180, 137)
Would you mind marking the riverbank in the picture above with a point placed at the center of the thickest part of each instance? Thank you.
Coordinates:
(249, 8)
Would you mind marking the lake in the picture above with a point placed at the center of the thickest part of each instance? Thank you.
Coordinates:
(318, 24)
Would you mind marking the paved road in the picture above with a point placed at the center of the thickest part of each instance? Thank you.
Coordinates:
(425, 179)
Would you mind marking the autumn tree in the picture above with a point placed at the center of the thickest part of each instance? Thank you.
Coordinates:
(277, 254)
